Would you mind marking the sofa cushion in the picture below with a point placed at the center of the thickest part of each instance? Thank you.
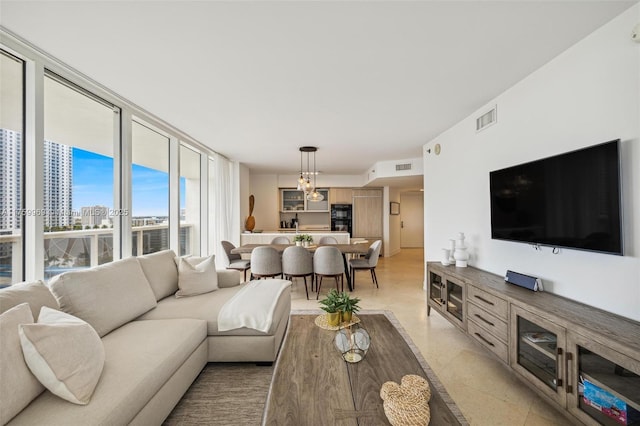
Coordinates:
(196, 276)
(140, 357)
(35, 293)
(228, 278)
(161, 272)
(207, 306)
(105, 296)
(18, 387)
(64, 353)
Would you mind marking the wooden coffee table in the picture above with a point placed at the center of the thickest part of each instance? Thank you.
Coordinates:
(312, 385)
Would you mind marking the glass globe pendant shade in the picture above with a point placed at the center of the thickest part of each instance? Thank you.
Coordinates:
(308, 187)
(301, 183)
(315, 196)
(353, 343)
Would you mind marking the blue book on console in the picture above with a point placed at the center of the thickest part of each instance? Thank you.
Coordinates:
(522, 280)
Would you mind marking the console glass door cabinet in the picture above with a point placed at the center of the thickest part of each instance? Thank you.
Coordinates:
(455, 300)
(604, 384)
(436, 289)
(537, 352)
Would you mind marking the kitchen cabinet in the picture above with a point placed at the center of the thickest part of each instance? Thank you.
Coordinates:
(340, 196)
(367, 214)
(292, 200)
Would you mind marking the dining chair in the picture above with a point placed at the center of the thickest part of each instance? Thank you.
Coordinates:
(369, 262)
(281, 240)
(327, 240)
(235, 261)
(327, 262)
(298, 262)
(265, 262)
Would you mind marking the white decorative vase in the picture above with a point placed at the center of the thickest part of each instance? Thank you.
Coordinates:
(306, 243)
(452, 249)
(298, 243)
(446, 254)
(461, 256)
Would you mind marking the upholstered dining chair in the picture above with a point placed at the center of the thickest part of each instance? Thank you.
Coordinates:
(369, 262)
(327, 262)
(298, 262)
(265, 262)
(281, 240)
(327, 240)
(235, 261)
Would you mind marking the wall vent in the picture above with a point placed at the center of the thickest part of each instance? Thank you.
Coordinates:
(405, 166)
(487, 119)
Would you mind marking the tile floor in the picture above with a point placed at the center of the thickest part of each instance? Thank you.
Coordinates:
(486, 392)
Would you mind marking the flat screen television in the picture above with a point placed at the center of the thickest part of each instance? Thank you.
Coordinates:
(570, 200)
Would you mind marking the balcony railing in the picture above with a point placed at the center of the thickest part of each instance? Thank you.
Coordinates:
(79, 249)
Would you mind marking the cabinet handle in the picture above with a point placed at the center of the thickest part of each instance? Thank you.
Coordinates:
(483, 339)
(558, 364)
(569, 372)
(484, 300)
(485, 320)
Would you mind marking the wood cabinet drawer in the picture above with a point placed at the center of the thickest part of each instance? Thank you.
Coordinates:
(489, 302)
(489, 341)
(489, 322)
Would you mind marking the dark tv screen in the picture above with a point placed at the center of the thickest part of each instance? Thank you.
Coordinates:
(570, 200)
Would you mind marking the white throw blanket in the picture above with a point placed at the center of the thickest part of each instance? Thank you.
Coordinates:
(252, 306)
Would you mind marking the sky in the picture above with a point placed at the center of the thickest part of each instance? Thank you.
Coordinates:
(93, 185)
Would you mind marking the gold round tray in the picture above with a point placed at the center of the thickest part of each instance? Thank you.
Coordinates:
(322, 322)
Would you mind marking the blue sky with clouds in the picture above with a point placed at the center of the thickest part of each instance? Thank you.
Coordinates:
(93, 185)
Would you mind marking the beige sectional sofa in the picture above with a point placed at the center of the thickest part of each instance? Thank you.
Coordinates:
(155, 344)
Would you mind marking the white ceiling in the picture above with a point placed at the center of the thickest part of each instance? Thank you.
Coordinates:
(363, 81)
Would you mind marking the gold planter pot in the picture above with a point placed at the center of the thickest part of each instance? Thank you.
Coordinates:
(333, 318)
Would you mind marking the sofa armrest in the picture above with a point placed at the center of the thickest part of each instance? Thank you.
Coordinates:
(228, 278)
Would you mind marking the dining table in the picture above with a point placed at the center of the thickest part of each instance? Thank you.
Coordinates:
(345, 249)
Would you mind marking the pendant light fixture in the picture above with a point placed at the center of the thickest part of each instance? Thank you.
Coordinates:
(305, 184)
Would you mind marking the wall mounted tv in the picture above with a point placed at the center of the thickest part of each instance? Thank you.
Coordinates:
(570, 200)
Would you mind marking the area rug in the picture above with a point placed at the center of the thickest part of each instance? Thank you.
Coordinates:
(236, 393)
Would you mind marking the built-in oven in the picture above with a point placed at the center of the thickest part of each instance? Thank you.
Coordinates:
(341, 217)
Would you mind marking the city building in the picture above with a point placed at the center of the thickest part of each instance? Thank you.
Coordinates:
(10, 180)
(58, 185)
(94, 215)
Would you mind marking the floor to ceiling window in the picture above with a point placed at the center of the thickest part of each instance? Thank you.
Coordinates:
(94, 178)
(79, 132)
(150, 190)
(189, 201)
(11, 166)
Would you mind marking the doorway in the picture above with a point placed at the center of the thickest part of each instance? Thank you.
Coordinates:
(412, 219)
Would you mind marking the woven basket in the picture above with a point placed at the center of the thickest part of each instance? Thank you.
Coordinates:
(407, 404)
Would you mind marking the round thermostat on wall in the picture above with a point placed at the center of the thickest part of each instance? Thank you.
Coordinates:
(436, 149)
(635, 34)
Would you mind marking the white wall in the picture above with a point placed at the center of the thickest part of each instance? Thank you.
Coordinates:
(265, 192)
(587, 95)
(325, 181)
(392, 224)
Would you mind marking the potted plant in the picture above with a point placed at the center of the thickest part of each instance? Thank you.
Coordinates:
(348, 306)
(303, 239)
(331, 305)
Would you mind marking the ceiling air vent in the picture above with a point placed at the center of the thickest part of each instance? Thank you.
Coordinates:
(405, 166)
(487, 119)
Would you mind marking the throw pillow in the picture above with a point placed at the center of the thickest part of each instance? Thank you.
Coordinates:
(35, 293)
(64, 353)
(18, 387)
(106, 296)
(196, 276)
